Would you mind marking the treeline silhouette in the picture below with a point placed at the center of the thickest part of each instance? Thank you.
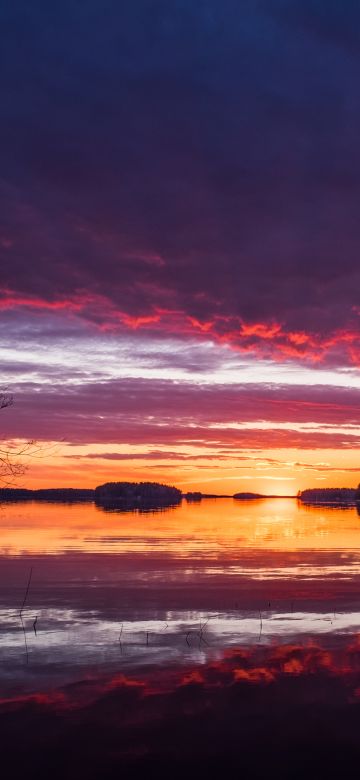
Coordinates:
(248, 496)
(109, 495)
(330, 495)
(66, 495)
(133, 494)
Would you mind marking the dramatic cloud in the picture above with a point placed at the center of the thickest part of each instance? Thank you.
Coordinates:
(194, 171)
(140, 411)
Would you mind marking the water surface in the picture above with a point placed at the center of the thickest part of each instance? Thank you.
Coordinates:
(124, 591)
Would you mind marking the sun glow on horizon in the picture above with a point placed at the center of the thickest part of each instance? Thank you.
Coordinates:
(270, 471)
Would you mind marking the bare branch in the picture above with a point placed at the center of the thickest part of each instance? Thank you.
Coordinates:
(12, 454)
(5, 399)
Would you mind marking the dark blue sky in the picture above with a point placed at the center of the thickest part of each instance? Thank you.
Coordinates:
(219, 137)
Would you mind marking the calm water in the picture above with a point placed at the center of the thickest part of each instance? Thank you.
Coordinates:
(114, 591)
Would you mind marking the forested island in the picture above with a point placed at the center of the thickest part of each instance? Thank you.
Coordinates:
(61, 495)
(331, 496)
(113, 495)
(193, 496)
(198, 496)
(248, 496)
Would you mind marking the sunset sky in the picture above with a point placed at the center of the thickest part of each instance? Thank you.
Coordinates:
(180, 233)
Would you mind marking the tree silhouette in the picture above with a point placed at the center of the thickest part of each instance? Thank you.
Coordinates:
(12, 466)
(342, 495)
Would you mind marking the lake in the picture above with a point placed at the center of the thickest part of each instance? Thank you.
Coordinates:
(126, 592)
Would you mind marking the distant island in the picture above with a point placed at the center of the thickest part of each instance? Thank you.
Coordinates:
(197, 495)
(114, 495)
(61, 495)
(249, 496)
(193, 496)
(330, 496)
(148, 495)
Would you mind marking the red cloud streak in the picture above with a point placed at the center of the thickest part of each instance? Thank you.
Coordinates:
(265, 339)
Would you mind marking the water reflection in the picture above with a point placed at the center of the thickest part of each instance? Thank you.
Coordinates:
(212, 526)
(122, 589)
(289, 710)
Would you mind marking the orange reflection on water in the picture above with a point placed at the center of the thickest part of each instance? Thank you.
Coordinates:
(212, 528)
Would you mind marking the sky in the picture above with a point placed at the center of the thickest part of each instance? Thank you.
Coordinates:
(179, 203)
